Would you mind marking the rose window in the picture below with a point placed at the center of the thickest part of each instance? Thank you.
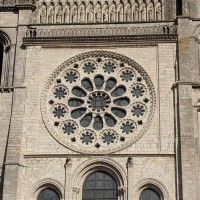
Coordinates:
(99, 100)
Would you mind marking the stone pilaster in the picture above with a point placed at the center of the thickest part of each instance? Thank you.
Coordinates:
(130, 169)
(68, 188)
(12, 163)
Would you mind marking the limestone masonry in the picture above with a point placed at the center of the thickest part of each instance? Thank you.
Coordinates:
(99, 100)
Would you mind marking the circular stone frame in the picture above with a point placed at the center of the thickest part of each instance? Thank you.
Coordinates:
(71, 63)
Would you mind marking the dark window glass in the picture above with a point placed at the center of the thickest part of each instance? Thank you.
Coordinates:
(48, 194)
(100, 186)
(149, 194)
(179, 7)
(1, 59)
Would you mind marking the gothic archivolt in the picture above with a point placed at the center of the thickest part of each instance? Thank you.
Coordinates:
(98, 102)
(101, 11)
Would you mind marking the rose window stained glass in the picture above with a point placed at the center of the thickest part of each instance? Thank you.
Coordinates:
(101, 100)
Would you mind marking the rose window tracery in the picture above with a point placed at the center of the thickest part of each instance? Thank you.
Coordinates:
(98, 99)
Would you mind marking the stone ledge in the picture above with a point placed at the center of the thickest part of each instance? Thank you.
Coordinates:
(103, 41)
(27, 156)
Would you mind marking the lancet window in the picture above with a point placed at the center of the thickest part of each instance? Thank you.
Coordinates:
(5, 63)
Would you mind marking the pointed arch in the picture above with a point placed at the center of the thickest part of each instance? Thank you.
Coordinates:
(120, 12)
(51, 12)
(90, 12)
(66, 13)
(113, 11)
(74, 13)
(59, 13)
(128, 12)
(106, 12)
(142, 10)
(82, 12)
(98, 12)
(135, 12)
(5, 47)
(150, 12)
(43, 13)
(158, 11)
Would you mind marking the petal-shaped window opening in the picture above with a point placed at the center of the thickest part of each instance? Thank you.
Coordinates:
(79, 92)
(86, 120)
(99, 80)
(119, 91)
(110, 120)
(98, 123)
(87, 84)
(119, 112)
(75, 114)
(124, 101)
(74, 102)
(110, 84)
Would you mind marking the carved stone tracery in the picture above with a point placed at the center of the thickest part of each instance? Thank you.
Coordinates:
(84, 103)
(99, 11)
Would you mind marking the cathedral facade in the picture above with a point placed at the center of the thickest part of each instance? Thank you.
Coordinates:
(99, 100)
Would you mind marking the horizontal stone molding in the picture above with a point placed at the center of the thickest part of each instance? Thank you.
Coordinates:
(39, 156)
(74, 32)
(101, 36)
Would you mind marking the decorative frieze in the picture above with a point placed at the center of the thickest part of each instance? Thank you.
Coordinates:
(100, 35)
(101, 31)
(102, 11)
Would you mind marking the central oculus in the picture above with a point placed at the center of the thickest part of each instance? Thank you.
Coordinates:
(98, 101)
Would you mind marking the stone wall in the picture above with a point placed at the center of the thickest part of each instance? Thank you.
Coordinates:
(158, 62)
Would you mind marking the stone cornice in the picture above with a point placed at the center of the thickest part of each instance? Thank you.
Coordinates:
(103, 41)
(28, 156)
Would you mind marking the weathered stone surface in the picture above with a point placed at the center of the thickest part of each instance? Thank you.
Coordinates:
(164, 158)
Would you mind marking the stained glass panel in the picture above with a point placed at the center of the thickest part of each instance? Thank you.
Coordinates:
(150, 194)
(48, 194)
(100, 186)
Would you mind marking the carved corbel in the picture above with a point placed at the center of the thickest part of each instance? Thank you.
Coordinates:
(130, 162)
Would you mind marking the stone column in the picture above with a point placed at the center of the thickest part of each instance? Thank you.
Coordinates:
(68, 182)
(130, 178)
